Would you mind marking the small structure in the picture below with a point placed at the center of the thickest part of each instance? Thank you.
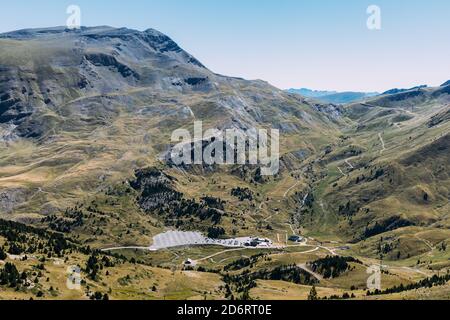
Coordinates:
(257, 242)
(296, 239)
(189, 263)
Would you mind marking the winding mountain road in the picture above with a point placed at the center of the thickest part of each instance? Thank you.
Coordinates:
(289, 190)
(127, 248)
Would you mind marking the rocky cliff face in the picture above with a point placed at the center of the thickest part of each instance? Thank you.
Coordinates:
(113, 96)
(51, 74)
(43, 70)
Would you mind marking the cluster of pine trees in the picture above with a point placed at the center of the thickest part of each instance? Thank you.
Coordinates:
(10, 276)
(3, 254)
(242, 193)
(289, 273)
(243, 263)
(157, 195)
(95, 264)
(26, 240)
(244, 282)
(73, 218)
(215, 232)
(332, 266)
(425, 283)
(242, 285)
(23, 239)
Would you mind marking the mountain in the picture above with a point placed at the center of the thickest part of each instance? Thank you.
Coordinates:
(311, 93)
(446, 84)
(333, 96)
(346, 97)
(86, 108)
(394, 91)
(57, 73)
(394, 164)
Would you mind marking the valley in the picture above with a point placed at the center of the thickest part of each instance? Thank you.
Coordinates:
(86, 119)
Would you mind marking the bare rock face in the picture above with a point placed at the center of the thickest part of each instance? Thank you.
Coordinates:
(104, 60)
(7, 132)
(52, 71)
(440, 118)
(10, 199)
(14, 98)
(335, 111)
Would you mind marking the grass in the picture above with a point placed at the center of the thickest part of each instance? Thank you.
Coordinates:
(94, 141)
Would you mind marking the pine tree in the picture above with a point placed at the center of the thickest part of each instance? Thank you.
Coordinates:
(92, 267)
(313, 294)
(3, 255)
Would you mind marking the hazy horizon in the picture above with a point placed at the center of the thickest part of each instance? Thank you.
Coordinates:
(320, 45)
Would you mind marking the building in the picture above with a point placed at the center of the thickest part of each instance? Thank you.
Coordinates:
(296, 238)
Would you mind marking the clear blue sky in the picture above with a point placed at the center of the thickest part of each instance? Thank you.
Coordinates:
(320, 44)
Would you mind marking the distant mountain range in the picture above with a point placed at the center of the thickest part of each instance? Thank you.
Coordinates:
(333, 96)
(395, 91)
(350, 96)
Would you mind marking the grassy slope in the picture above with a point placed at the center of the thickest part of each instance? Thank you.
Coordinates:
(83, 159)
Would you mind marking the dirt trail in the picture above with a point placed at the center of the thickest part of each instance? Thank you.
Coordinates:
(382, 143)
(349, 164)
(305, 268)
(289, 190)
(427, 243)
(219, 253)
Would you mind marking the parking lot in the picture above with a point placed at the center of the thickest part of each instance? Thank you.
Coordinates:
(173, 239)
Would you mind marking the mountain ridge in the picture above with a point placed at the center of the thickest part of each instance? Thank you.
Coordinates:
(82, 90)
(86, 119)
(333, 96)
